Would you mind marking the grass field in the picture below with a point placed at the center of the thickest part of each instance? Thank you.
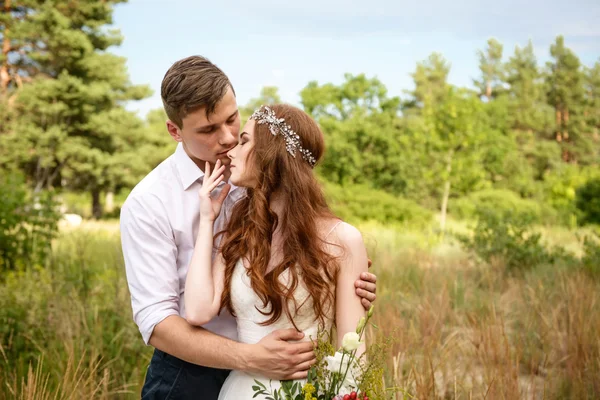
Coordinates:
(462, 329)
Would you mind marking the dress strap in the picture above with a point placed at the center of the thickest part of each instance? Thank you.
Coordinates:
(332, 229)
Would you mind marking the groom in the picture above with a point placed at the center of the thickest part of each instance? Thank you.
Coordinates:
(159, 224)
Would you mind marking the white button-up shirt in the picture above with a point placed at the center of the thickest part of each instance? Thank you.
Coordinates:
(159, 225)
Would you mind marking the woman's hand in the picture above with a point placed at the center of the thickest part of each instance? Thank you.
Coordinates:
(211, 207)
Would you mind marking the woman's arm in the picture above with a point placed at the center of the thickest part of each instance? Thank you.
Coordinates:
(205, 278)
(353, 262)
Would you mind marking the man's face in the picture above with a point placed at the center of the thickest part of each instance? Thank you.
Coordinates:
(209, 138)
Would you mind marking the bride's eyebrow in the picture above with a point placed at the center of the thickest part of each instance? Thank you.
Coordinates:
(242, 134)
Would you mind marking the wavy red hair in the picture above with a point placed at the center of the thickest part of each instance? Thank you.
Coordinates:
(250, 229)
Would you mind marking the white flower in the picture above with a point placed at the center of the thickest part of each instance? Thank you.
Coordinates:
(351, 341)
(334, 362)
(336, 365)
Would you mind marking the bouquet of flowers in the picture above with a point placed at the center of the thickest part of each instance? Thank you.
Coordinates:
(337, 375)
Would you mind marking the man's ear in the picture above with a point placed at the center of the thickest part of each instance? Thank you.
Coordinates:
(174, 130)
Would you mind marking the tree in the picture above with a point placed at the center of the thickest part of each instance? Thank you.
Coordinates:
(592, 109)
(59, 136)
(361, 126)
(431, 82)
(268, 95)
(564, 81)
(454, 131)
(357, 95)
(492, 70)
(528, 109)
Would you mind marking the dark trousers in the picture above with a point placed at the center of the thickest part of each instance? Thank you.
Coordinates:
(169, 378)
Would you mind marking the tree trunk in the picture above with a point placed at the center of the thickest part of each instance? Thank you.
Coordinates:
(96, 204)
(446, 194)
(488, 90)
(566, 121)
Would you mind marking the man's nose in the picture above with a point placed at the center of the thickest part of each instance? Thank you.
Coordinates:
(228, 137)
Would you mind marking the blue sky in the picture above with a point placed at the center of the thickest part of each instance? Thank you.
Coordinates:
(289, 43)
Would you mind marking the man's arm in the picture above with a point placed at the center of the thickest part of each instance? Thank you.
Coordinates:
(150, 260)
(272, 357)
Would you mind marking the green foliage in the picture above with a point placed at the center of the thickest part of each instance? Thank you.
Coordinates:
(592, 99)
(268, 95)
(431, 80)
(69, 127)
(529, 112)
(363, 203)
(505, 166)
(505, 202)
(504, 238)
(566, 93)
(72, 321)
(591, 255)
(588, 201)
(356, 96)
(28, 223)
(454, 131)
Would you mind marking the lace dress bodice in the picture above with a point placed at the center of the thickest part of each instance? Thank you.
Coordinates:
(246, 305)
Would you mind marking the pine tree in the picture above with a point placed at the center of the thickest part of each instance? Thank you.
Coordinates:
(492, 70)
(431, 81)
(564, 81)
(528, 109)
(60, 134)
(592, 107)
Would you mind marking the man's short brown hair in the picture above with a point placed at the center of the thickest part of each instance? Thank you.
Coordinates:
(190, 84)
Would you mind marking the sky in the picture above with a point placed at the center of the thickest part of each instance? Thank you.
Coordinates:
(290, 43)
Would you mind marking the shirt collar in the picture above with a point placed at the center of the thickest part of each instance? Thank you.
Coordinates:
(188, 170)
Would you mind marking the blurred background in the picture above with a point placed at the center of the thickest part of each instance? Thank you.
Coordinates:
(463, 140)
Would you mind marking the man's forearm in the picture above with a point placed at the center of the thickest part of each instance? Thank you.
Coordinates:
(196, 345)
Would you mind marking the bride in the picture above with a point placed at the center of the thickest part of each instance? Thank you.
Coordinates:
(285, 260)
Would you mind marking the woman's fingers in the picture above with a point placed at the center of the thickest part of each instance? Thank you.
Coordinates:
(211, 186)
(209, 177)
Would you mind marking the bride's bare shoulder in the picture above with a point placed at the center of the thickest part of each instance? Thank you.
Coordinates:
(339, 232)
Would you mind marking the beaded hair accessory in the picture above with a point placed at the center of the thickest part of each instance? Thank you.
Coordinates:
(265, 115)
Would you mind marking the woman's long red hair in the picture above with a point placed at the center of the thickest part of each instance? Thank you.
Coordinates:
(252, 223)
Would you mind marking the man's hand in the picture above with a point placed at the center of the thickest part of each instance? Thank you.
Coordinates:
(366, 288)
(276, 358)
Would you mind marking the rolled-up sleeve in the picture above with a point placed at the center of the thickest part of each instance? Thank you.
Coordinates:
(150, 257)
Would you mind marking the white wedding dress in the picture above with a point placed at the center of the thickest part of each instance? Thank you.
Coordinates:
(245, 302)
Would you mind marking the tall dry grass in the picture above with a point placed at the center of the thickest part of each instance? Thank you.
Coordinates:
(461, 329)
(469, 331)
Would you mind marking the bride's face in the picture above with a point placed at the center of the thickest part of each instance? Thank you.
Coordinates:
(240, 166)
